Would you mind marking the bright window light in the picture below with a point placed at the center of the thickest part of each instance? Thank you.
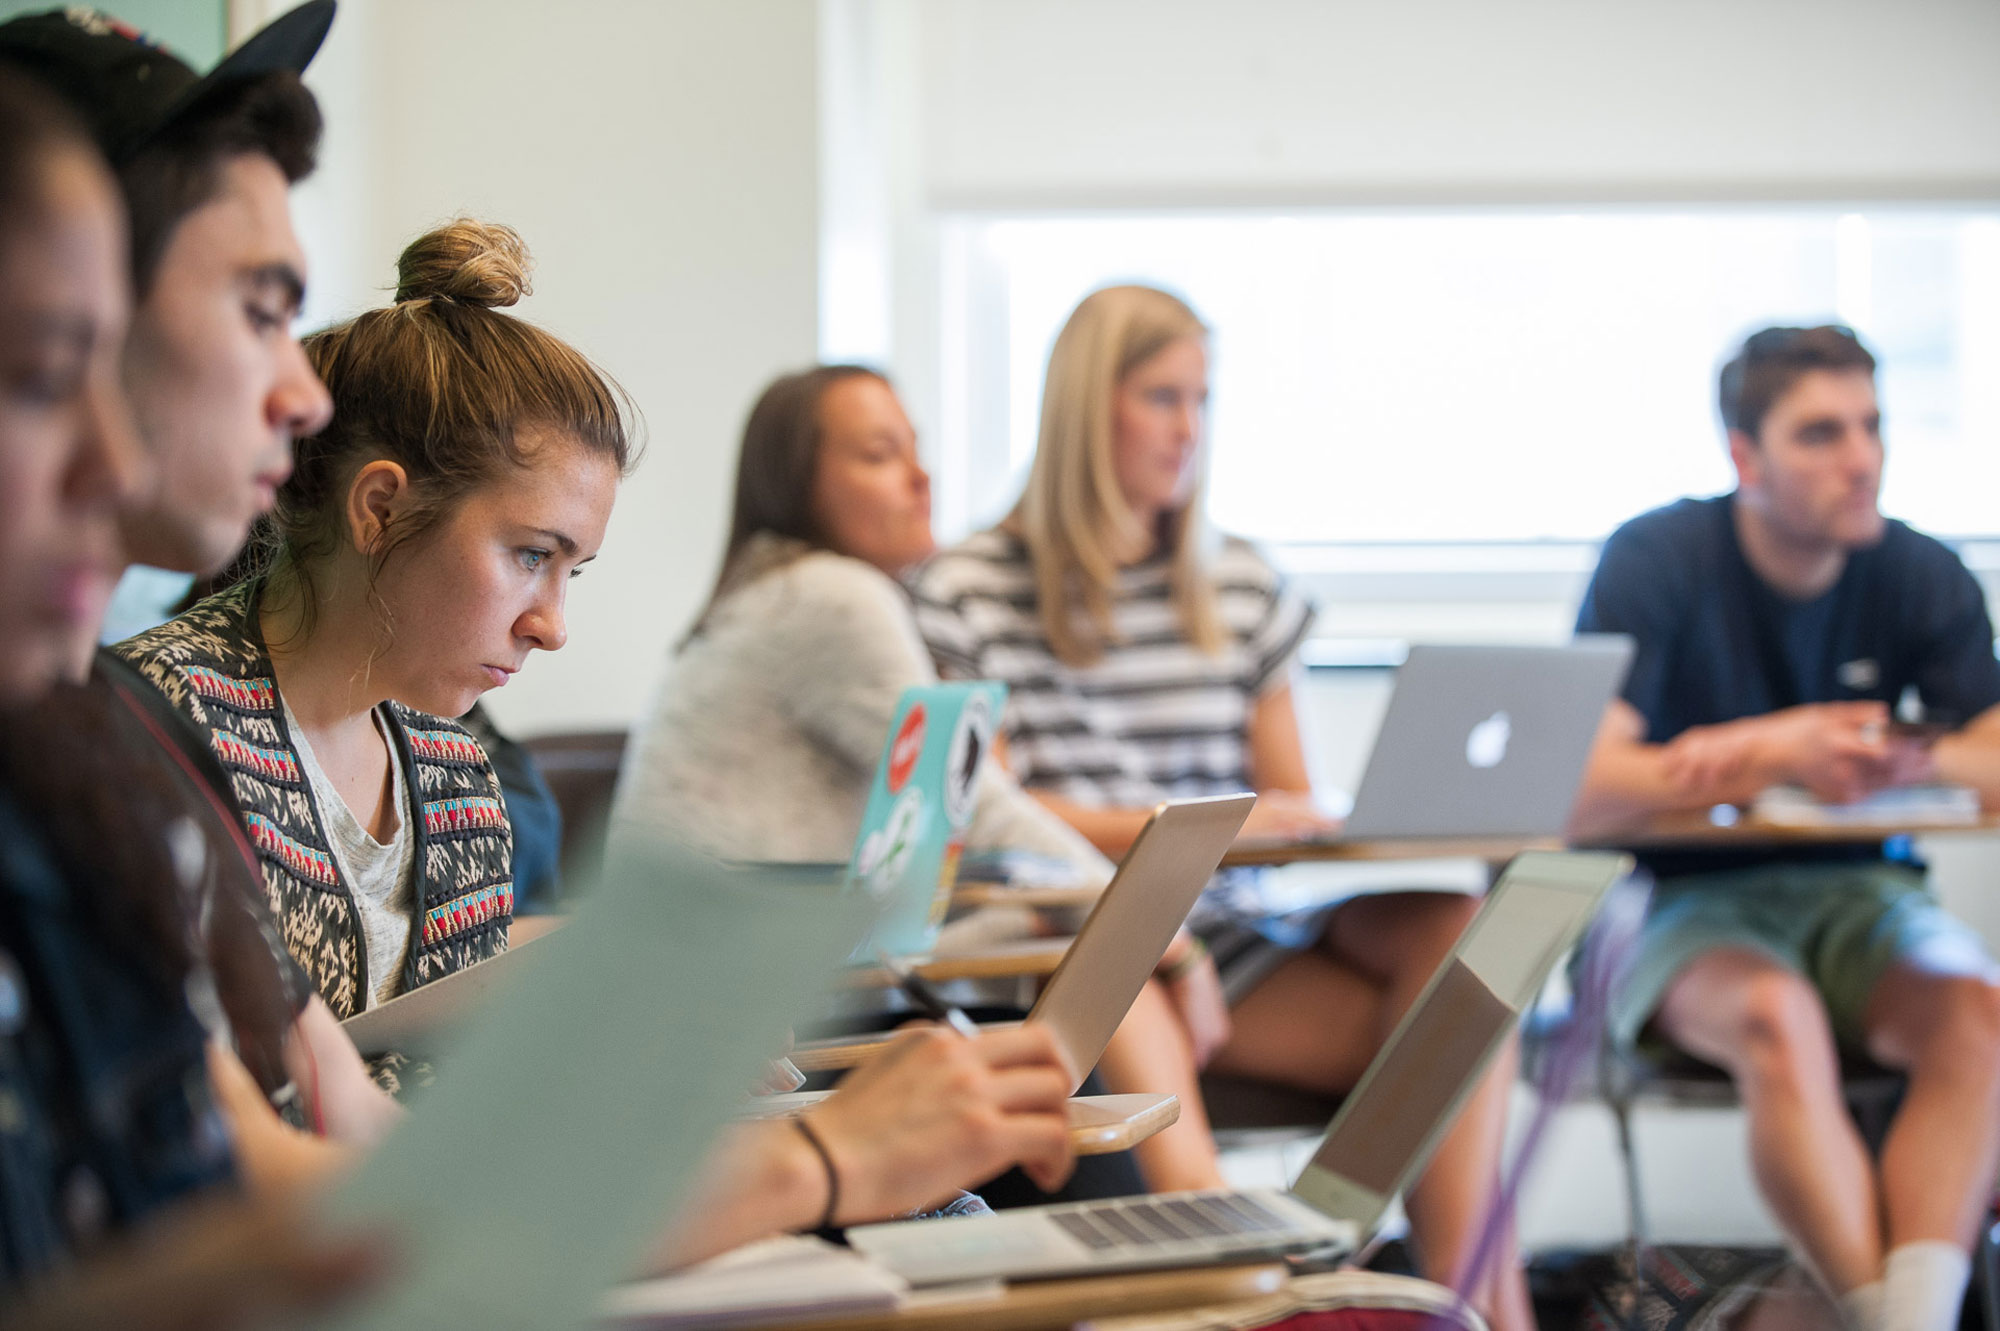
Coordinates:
(1490, 376)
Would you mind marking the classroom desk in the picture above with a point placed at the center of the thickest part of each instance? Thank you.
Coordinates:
(1035, 1305)
(972, 895)
(1029, 958)
(1681, 831)
(1332, 850)
(836, 1053)
(1698, 830)
(1098, 1124)
(1492, 849)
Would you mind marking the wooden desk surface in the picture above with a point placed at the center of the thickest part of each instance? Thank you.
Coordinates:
(1098, 1124)
(1034, 1305)
(968, 896)
(1697, 830)
(832, 1053)
(1334, 850)
(1001, 961)
(1691, 831)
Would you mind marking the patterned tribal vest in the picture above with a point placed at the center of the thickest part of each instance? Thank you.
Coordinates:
(211, 664)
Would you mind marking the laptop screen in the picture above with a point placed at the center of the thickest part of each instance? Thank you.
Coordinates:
(1386, 1129)
(1416, 1083)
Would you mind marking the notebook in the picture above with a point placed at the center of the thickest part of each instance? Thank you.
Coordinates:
(790, 1276)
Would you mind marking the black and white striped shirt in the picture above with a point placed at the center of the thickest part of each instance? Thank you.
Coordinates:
(1155, 717)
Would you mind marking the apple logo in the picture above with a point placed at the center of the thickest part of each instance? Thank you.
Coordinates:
(1487, 744)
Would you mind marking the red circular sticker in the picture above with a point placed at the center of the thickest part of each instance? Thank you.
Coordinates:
(904, 752)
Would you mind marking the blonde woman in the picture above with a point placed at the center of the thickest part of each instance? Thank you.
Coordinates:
(1148, 659)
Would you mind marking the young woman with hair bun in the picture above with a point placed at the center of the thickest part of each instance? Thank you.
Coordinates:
(419, 552)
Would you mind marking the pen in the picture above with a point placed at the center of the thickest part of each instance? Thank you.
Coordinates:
(927, 999)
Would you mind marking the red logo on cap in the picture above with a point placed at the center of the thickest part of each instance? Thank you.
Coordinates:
(903, 753)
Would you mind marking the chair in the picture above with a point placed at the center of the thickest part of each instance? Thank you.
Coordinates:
(581, 767)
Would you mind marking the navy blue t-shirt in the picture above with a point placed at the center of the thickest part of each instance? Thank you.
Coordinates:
(1716, 643)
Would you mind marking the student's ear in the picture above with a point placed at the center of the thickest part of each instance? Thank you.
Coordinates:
(376, 495)
(1747, 456)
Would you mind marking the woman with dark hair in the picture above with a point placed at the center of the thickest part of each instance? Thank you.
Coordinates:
(763, 736)
(787, 680)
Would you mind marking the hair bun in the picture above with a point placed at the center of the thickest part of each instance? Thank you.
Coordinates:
(478, 263)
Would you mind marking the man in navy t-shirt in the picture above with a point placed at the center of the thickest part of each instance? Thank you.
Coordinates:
(1778, 629)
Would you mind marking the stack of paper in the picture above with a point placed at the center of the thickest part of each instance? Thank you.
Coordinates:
(1900, 806)
(791, 1276)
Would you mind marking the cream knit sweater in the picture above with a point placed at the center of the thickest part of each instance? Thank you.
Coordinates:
(763, 735)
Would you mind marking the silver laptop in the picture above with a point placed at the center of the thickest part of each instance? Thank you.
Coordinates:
(1136, 917)
(1487, 741)
(1114, 953)
(1377, 1143)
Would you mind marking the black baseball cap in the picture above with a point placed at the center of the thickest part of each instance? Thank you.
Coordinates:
(127, 87)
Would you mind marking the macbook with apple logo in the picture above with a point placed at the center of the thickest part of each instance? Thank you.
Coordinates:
(1487, 741)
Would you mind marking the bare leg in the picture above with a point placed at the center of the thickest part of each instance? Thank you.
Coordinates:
(1312, 1025)
(1150, 1052)
(1740, 1010)
(1939, 1021)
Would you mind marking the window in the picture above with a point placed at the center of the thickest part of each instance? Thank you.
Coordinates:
(1494, 376)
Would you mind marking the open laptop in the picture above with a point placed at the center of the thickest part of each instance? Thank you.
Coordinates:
(1138, 914)
(919, 805)
(1486, 741)
(1377, 1143)
(1128, 930)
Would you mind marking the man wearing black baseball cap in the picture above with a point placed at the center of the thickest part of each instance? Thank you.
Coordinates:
(205, 164)
(218, 384)
(219, 387)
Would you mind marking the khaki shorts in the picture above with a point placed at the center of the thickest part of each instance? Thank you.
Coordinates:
(1841, 926)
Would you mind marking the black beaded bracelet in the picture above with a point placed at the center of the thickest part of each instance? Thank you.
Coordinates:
(832, 1178)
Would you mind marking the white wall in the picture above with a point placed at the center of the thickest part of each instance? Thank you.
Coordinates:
(660, 158)
(677, 165)
(1177, 101)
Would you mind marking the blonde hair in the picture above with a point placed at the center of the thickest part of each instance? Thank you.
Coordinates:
(1073, 516)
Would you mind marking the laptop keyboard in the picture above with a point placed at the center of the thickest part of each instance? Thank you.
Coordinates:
(1141, 1222)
